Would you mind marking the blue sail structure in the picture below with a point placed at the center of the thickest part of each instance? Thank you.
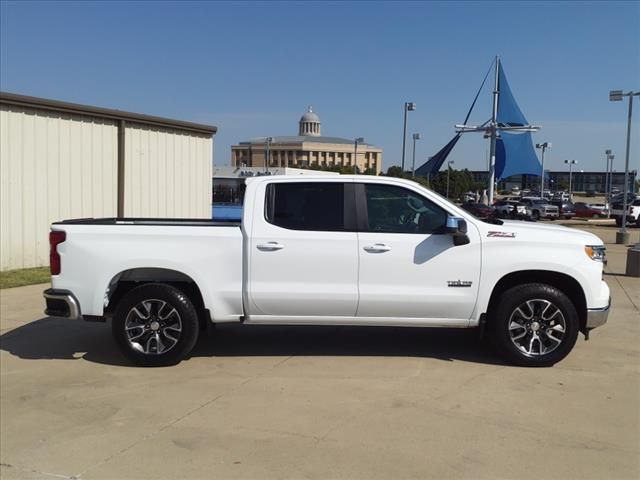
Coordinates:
(434, 163)
(515, 154)
(509, 113)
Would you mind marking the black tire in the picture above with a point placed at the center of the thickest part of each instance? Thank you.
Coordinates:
(557, 334)
(535, 216)
(171, 319)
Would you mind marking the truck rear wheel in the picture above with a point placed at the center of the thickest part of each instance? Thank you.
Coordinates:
(534, 325)
(155, 325)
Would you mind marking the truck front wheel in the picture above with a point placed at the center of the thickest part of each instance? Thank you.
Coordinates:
(534, 325)
(155, 325)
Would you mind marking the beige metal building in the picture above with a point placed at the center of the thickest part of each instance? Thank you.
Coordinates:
(307, 149)
(61, 160)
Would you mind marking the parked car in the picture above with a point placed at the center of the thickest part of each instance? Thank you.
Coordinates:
(339, 250)
(565, 208)
(541, 208)
(589, 210)
(564, 196)
(619, 198)
(511, 209)
(603, 208)
(633, 212)
(479, 209)
(467, 197)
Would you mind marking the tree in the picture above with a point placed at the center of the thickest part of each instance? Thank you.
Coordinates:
(460, 181)
(395, 171)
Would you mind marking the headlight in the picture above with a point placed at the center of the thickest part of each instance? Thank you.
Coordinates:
(596, 252)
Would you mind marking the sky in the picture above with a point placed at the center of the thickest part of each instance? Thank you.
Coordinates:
(252, 68)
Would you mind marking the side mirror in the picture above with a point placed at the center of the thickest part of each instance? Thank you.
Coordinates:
(457, 227)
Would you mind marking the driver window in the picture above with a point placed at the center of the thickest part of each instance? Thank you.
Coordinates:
(394, 209)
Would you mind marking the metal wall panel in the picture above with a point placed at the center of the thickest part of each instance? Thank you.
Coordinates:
(167, 173)
(55, 166)
(52, 166)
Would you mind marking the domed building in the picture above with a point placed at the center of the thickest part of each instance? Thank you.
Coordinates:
(307, 149)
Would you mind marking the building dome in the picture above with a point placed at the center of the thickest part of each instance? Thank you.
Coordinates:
(309, 124)
(309, 116)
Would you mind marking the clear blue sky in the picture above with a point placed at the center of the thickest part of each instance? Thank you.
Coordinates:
(252, 68)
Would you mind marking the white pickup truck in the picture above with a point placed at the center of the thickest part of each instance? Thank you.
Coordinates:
(633, 212)
(331, 250)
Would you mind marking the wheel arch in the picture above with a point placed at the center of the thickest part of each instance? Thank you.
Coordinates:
(126, 280)
(563, 282)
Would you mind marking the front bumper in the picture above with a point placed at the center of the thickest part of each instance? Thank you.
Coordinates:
(62, 303)
(597, 316)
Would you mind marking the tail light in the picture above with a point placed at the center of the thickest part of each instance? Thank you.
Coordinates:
(55, 239)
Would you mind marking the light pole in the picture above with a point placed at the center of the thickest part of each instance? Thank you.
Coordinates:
(355, 159)
(267, 143)
(544, 147)
(622, 237)
(609, 177)
(448, 173)
(416, 136)
(571, 164)
(408, 107)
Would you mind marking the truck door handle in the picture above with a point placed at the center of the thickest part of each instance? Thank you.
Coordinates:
(377, 248)
(270, 246)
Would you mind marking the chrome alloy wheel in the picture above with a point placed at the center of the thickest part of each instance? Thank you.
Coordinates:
(537, 327)
(153, 327)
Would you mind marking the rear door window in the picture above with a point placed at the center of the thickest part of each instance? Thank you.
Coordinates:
(317, 206)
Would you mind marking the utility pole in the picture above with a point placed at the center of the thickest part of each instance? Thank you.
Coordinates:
(494, 133)
(416, 136)
(544, 147)
(622, 236)
(571, 163)
(609, 179)
(408, 107)
(268, 141)
(355, 160)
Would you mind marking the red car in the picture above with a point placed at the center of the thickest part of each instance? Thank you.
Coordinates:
(479, 210)
(585, 210)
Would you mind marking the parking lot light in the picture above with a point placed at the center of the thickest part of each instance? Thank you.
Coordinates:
(622, 237)
(416, 136)
(543, 147)
(355, 158)
(408, 107)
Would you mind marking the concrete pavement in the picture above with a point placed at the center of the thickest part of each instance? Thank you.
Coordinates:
(312, 402)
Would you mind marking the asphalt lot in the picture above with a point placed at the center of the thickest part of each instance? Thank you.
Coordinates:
(307, 402)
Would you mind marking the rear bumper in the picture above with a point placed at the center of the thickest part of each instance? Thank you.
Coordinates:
(62, 303)
(597, 316)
